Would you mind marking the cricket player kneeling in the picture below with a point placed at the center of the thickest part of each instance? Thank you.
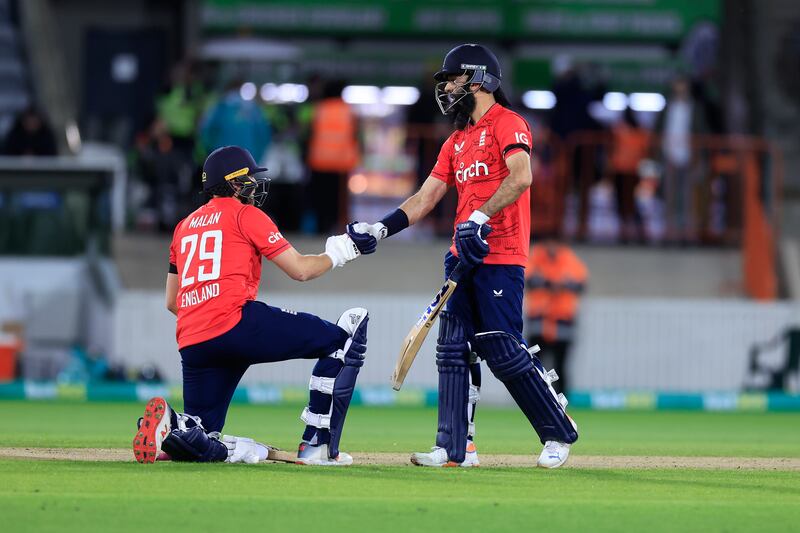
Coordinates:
(212, 283)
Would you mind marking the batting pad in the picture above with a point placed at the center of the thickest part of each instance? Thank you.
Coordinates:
(511, 363)
(452, 360)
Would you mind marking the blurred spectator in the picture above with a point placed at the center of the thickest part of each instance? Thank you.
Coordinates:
(630, 144)
(682, 118)
(547, 195)
(554, 279)
(571, 111)
(30, 134)
(236, 121)
(167, 173)
(332, 153)
(570, 115)
(182, 105)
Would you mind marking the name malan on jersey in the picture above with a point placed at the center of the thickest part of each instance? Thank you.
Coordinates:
(204, 220)
(202, 294)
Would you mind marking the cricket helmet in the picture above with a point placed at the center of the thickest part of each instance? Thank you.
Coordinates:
(230, 171)
(474, 60)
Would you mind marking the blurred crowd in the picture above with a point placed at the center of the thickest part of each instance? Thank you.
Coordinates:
(603, 171)
(310, 147)
(607, 169)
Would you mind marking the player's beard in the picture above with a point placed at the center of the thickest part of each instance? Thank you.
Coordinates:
(463, 111)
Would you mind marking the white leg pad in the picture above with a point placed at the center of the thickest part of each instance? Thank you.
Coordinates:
(323, 385)
(316, 420)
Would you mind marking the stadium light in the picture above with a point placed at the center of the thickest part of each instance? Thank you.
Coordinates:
(398, 95)
(647, 102)
(539, 99)
(615, 101)
(292, 92)
(361, 94)
(248, 90)
(269, 92)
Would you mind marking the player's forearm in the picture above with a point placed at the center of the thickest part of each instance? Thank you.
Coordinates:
(424, 200)
(312, 266)
(510, 189)
(417, 207)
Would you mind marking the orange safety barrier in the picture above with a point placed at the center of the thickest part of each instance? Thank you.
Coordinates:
(728, 196)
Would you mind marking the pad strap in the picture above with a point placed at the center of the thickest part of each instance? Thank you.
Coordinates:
(321, 384)
(315, 419)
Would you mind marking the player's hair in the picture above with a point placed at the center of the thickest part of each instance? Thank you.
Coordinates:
(501, 98)
(220, 189)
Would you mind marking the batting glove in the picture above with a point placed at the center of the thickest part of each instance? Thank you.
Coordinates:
(364, 236)
(244, 450)
(341, 249)
(470, 239)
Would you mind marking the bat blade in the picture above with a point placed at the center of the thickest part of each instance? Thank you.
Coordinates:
(413, 341)
(281, 456)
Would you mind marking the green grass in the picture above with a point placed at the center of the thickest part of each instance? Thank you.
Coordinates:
(83, 496)
(398, 429)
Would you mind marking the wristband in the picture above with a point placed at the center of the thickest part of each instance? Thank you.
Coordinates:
(395, 222)
(479, 217)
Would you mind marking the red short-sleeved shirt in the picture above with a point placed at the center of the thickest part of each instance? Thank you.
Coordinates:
(474, 160)
(217, 254)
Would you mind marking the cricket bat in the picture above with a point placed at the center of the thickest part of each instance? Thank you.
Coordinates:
(413, 341)
(281, 456)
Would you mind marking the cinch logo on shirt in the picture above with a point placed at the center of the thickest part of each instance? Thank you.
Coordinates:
(478, 168)
(274, 237)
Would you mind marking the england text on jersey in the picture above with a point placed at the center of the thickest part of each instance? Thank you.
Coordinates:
(216, 252)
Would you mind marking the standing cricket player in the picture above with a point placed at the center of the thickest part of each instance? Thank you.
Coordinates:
(213, 279)
(487, 159)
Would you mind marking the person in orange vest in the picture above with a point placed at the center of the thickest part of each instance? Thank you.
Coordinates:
(555, 277)
(332, 154)
(631, 144)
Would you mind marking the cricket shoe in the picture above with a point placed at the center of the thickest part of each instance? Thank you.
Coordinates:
(308, 454)
(437, 457)
(555, 453)
(154, 427)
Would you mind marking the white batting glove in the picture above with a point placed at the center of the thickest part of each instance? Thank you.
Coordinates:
(244, 450)
(341, 249)
(377, 230)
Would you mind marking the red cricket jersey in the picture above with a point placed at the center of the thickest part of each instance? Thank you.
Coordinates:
(217, 254)
(473, 160)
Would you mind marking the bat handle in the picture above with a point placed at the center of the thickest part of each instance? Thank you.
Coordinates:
(458, 272)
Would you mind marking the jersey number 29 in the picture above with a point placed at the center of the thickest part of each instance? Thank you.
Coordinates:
(214, 255)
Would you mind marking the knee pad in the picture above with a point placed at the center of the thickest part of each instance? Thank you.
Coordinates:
(194, 444)
(340, 388)
(452, 361)
(523, 375)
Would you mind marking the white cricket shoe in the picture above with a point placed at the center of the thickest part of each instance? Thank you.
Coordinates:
(308, 454)
(554, 454)
(437, 457)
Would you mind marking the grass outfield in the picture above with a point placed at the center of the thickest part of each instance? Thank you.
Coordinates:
(40, 495)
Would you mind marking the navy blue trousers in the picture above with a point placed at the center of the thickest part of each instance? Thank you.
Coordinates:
(488, 298)
(265, 334)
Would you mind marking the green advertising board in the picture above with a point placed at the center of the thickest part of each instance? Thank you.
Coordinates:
(641, 20)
